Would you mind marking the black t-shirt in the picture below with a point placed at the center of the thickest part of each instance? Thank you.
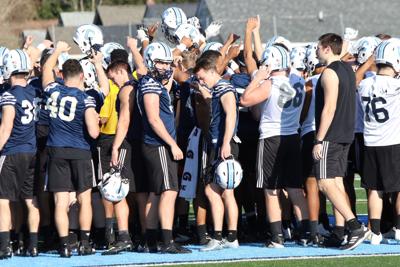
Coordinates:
(341, 129)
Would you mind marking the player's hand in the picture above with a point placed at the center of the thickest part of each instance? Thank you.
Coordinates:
(213, 29)
(114, 157)
(153, 29)
(232, 38)
(317, 152)
(62, 47)
(28, 41)
(233, 51)
(176, 152)
(96, 57)
(258, 24)
(263, 73)
(225, 151)
(187, 41)
(251, 24)
(131, 42)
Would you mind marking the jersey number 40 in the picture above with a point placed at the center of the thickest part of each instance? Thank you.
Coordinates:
(64, 109)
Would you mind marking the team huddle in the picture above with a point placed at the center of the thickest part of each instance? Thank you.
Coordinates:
(111, 150)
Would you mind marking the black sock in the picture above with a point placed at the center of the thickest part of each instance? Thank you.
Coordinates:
(353, 224)
(375, 226)
(84, 235)
(4, 240)
(276, 228)
(286, 224)
(218, 235)
(201, 230)
(109, 223)
(305, 226)
(232, 235)
(166, 236)
(33, 240)
(398, 222)
(313, 228)
(151, 237)
(124, 236)
(339, 231)
(183, 221)
(13, 235)
(64, 240)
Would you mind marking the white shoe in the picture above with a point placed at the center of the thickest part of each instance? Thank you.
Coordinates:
(213, 245)
(376, 239)
(233, 244)
(396, 234)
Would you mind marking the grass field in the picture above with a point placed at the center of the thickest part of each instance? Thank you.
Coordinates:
(365, 261)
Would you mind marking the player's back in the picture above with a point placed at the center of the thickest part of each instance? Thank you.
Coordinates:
(67, 106)
(281, 111)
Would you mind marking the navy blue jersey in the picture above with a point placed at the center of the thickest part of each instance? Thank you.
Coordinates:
(148, 85)
(217, 125)
(23, 137)
(97, 96)
(67, 106)
(187, 116)
(3, 87)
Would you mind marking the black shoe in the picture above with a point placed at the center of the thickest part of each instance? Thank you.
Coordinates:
(119, 247)
(110, 237)
(355, 238)
(85, 249)
(18, 248)
(333, 241)
(65, 251)
(204, 239)
(275, 241)
(174, 248)
(5, 253)
(32, 252)
(315, 241)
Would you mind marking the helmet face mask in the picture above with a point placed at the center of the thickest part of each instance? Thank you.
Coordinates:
(170, 20)
(88, 37)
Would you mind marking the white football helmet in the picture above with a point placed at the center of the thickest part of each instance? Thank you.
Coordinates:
(276, 58)
(311, 59)
(281, 41)
(16, 61)
(388, 52)
(106, 51)
(170, 20)
(113, 186)
(187, 30)
(88, 36)
(157, 51)
(195, 22)
(3, 52)
(64, 56)
(214, 46)
(365, 47)
(228, 173)
(297, 57)
(89, 72)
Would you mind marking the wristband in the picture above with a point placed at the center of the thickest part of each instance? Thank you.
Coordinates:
(318, 142)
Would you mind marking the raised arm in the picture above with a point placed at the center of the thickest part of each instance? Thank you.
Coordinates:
(141, 69)
(249, 60)
(96, 60)
(47, 71)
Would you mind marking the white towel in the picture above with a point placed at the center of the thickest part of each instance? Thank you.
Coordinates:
(191, 169)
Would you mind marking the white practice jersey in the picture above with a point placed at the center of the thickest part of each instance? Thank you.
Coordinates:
(380, 97)
(309, 123)
(359, 127)
(281, 111)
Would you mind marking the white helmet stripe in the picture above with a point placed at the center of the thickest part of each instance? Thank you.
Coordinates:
(23, 59)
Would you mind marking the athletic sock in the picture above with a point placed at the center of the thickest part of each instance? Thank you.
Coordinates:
(201, 230)
(375, 226)
(124, 236)
(339, 231)
(4, 240)
(33, 240)
(313, 228)
(305, 226)
(151, 237)
(183, 221)
(276, 228)
(218, 235)
(109, 223)
(353, 224)
(398, 222)
(64, 240)
(166, 236)
(232, 235)
(84, 235)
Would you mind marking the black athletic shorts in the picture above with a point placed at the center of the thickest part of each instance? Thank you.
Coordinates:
(70, 174)
(104, 149)
(17, 176)
(42, 132)
(278, 163)
(334, 161)
(382, 168)
(356, 154)
(162, 170)
(139, 166)
(213, 155)
(307, 160)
